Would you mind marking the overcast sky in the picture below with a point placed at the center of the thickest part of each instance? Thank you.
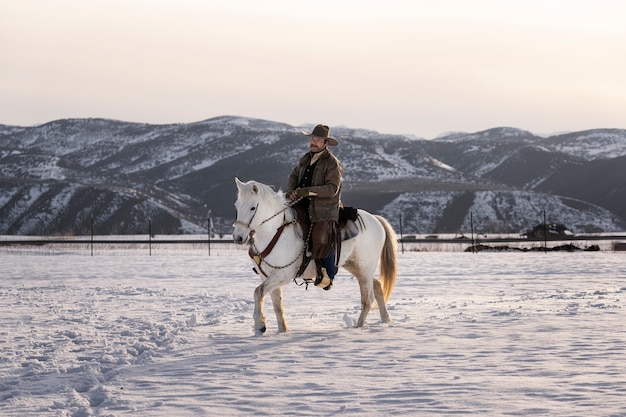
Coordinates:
(416, 66)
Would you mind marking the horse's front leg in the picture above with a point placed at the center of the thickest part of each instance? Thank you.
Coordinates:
(279, 309)
(259, 300)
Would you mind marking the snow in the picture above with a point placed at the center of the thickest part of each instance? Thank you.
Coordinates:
(496, 212)
(395, 165)
(125, 333)
(595, 145)
(430, 204)
(440, 164)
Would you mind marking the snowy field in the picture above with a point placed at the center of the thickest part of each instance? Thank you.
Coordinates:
(491, 334)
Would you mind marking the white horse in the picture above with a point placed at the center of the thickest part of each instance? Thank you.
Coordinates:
(265, 221)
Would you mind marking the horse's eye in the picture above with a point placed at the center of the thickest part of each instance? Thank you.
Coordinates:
(252, 208)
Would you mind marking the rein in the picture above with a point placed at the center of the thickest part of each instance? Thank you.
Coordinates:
(287, 205)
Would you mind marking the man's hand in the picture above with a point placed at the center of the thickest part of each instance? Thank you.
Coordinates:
(302, 192)
(298, 193)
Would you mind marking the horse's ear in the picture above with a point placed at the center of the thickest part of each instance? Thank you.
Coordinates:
(255, 189)
(239, 183)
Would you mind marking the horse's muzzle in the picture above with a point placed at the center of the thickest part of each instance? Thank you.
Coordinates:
(240, 238)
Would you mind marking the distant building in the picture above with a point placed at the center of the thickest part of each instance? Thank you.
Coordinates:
(549, 231)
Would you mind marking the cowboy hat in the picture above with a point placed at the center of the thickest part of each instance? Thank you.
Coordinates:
(322, 131)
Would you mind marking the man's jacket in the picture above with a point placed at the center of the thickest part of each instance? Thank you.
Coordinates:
(326, 183)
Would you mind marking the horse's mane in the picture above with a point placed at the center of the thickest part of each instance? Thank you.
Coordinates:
(265, 191)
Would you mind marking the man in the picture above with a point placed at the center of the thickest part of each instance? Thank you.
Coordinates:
(316, 179)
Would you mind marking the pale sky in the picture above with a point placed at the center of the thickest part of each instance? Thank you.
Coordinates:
(420, 67)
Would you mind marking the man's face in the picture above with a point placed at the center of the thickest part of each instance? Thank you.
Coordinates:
(317, 144)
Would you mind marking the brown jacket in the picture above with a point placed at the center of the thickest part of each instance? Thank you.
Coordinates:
(326, 183)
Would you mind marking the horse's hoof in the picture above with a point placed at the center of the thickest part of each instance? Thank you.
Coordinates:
(260, 331)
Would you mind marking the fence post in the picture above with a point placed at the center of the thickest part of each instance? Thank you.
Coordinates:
(545, 233)
(150, 237)
(91, 234)
(401, 237)
(472, 231)
(208, 228)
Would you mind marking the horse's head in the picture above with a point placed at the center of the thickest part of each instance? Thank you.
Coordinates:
(253, 197)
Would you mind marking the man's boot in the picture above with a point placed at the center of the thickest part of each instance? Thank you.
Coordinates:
(326, 274)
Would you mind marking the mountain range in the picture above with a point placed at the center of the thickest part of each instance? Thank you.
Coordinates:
(72, 176)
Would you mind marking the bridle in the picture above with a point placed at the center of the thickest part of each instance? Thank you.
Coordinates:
(259, 256)
(247, 226)
(256, 208)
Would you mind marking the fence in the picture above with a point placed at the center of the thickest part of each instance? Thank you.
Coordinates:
(146, 243)
(411, 243)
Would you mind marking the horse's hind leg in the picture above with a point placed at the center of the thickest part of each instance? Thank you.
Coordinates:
(380, 300)
(365, 285)
(277, 303)
(368, 287)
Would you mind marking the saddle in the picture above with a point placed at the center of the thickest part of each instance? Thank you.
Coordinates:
(337, 232)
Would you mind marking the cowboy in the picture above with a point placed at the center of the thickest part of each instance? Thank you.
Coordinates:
(316, 180)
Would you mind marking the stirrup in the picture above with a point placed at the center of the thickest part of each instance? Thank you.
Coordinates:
(324, 281)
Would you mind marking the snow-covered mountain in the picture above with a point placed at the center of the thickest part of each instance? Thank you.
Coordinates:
(55, 178)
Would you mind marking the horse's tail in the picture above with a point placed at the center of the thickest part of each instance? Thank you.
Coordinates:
(388, 261)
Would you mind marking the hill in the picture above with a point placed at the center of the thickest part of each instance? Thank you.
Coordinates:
(56, 177)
